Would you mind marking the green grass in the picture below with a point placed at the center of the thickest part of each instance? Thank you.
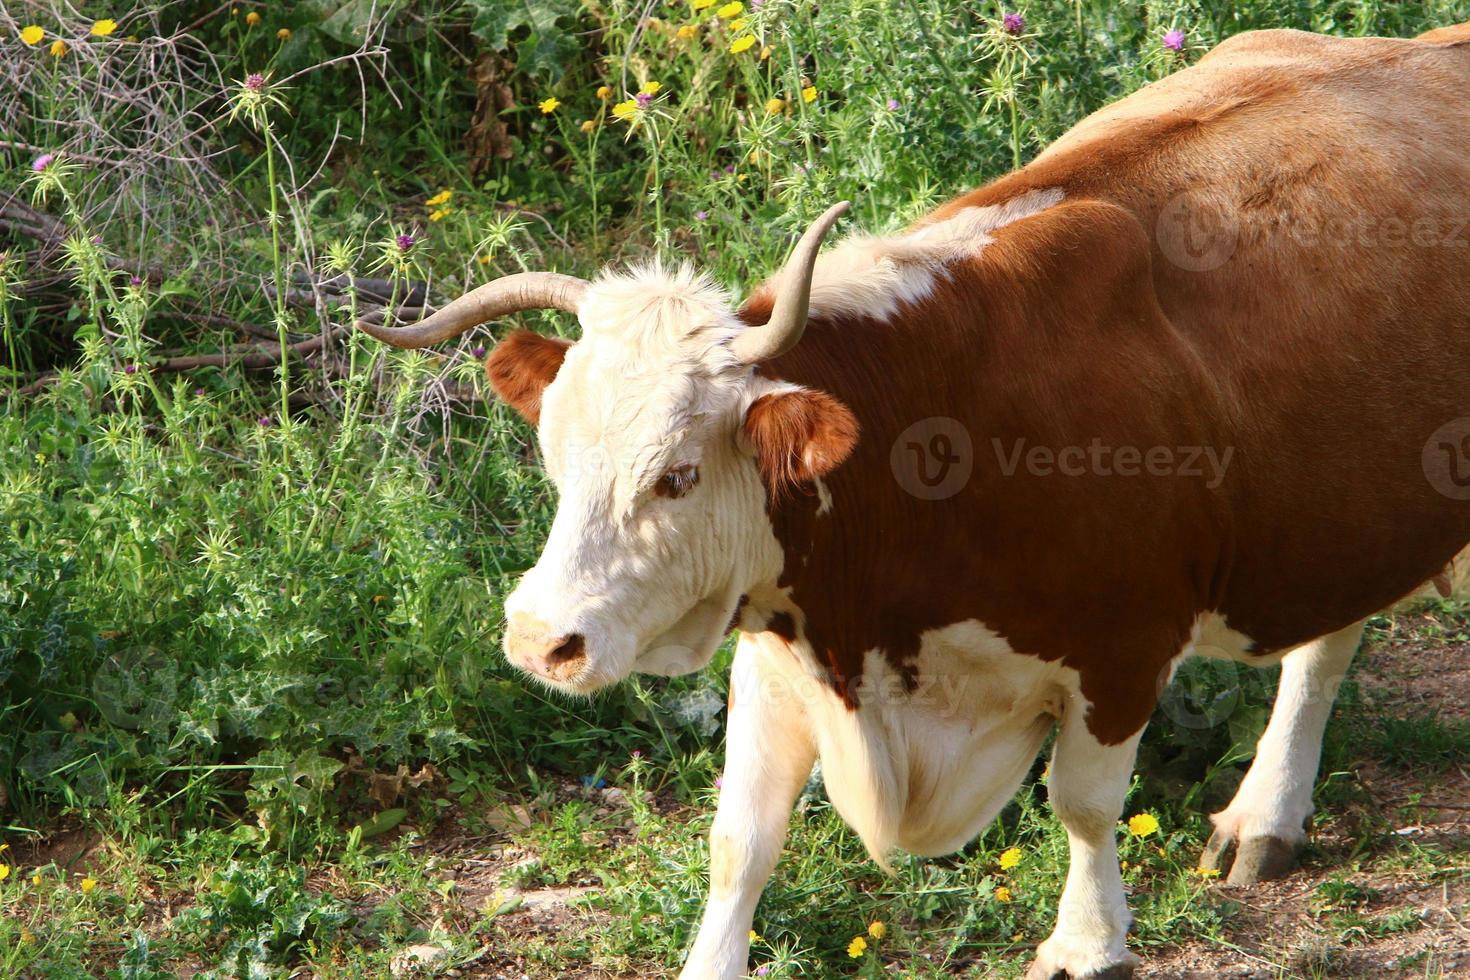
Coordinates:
(249, 621)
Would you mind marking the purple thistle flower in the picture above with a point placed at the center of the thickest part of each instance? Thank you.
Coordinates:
(135, 280)
(762, 971)
(478, 352)
(701, 215)
(96, 239)
(729, 168)
(719, 782)
(405, 242)
(637, 753)
(892, 104)
(255, 81)
(1013, 23)
(42, 162)
(1174, 40)
(198, 392)
(265, 421)
(643, 99)
(131, 369)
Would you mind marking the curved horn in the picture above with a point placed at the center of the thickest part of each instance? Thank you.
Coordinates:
(509, 294)
(793, 291)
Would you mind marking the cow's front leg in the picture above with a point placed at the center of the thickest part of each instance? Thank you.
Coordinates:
(1264, 827)
(768, 755)
(1088, 783)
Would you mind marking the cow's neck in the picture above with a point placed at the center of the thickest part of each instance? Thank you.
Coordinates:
(860, 572)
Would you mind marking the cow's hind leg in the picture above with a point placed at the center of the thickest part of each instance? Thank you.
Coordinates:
(1259, 835)
(768, 755)
(1088, 783)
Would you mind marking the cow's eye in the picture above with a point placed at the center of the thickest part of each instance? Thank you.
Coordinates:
(678, 481)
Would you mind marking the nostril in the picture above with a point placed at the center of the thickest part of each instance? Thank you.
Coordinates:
(570, 649)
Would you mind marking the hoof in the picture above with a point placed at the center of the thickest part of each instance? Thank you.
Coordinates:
(1251, 860)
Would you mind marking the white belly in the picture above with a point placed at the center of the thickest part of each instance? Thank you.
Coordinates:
(927, 769)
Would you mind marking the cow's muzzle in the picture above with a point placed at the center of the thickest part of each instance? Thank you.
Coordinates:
(531, 646)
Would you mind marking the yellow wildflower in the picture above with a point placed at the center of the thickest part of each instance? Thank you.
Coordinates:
(1003, 894)
(251, 19)
(742, 44)
(774, 106)
(686, 32)
(604, 92)
(808, 95)
(651, 88)
(731, 10)
(588, 125)
(877, 930)
(626, 110)
(36, 879)
(484, 260)
(1207, 872)
(548, 106)
(766, 53)
(104, 27)
(26, 936)
(284, 34)
(4, 871)
(739, 25)
(1010, 858)
(440, 198)
(701, 4)
(756, 937)
(32, 35)
(857, 947)
(88, 885)
(440, 214)
(1142, 824)
(58, 48)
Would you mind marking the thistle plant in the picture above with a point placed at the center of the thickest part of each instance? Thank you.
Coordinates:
(1007, 43)
(253, 99)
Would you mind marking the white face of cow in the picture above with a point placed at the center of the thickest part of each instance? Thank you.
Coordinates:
(661, 463)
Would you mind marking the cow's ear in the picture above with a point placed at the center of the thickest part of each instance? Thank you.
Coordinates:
(521, 366)
(798, 435)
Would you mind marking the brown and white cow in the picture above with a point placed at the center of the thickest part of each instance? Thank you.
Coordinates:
(1195, 381)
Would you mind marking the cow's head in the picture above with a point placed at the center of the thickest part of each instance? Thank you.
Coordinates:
(666, 447)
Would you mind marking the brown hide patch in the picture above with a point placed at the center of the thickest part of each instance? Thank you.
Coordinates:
(521, 366)
(1015, 345)
(798, 436)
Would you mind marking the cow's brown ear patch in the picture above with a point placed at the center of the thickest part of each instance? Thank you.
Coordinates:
(521, 366)
(798, 436)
